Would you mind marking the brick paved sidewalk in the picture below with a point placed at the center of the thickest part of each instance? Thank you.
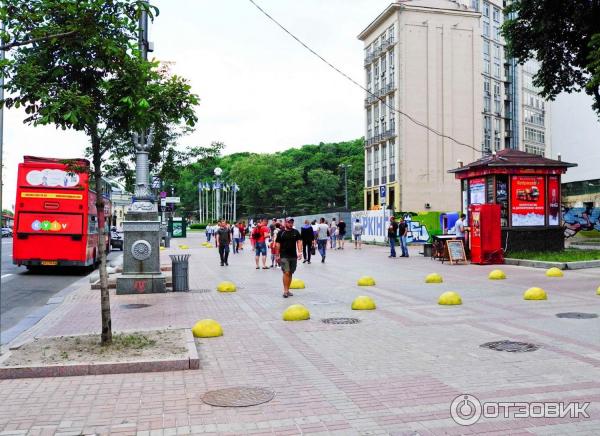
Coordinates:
(396, 372)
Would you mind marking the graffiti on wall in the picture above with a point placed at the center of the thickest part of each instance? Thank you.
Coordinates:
(577, 219)
(417, 232)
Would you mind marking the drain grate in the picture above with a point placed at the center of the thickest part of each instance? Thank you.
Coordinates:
(510, 346)
(238, 397)
(135, 306)
(200, 291)
(576, 315)
(341, 320)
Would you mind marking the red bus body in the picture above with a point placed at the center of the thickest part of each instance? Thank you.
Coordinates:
(56, 221)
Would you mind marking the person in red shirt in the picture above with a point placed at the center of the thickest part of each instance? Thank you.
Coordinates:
(259, 238)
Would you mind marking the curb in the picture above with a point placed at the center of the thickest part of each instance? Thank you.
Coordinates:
(192, 361)
(560, 265)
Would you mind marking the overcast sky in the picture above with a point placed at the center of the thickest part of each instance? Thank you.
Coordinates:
(260, 90)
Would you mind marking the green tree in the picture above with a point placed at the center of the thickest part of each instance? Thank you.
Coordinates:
(7, 212)
(564, 37)
(92, 80)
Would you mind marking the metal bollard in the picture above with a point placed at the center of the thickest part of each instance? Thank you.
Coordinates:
(427, 249)
(179, 271)
(167, 241)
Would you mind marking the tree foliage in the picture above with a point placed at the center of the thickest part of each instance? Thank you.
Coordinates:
(564, 37)
(90, 79)
(295, 181)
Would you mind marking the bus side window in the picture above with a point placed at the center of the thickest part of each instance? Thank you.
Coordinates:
(93, 224)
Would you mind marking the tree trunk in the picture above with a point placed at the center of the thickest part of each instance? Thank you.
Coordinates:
(104, 294)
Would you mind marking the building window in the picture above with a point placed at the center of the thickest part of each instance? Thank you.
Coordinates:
(376, 75)
(535, 135)
(496, 51)
(369, 123)
(486, 87)
(496, 15)
(391, 33)
(534, 149)
(486, 9)
(383, 164)
(496, 69)
(391, 64)
(487, 104)
(487, 128)
(369, 78)
(497, 106)
(369, 167)
(376, 118)
(392, 153)
(496, 33)
(486, 29)
(376, 165)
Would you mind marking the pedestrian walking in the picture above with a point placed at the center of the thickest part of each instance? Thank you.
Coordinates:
(332, 233)
(273, 247)
(243, 231)
(223, 239)
(357, 232)
(403, 234)
(341, 233)
(289, 248)
(236, 238)
(392, 233)
(259, 237)
(308, 241)
(322, 236)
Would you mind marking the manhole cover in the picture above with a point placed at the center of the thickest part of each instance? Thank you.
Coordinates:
(135, 306)
(577, 315)
(238, 397)
(510, 346)
(341, 320)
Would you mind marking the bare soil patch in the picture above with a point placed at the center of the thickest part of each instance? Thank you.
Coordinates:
(126, 347)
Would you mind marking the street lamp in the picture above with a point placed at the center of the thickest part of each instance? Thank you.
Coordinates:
(218, 171)
(345, 167)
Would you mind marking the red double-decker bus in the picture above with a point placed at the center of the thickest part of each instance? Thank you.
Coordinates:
(56, 221)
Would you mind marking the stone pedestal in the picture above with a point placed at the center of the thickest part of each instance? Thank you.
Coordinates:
(141, 259)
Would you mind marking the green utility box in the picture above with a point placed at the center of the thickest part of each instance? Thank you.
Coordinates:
(177, 227)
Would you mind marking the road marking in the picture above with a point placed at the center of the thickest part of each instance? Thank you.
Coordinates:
(5, 275)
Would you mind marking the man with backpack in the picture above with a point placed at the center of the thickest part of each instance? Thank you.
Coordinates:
(259, 236)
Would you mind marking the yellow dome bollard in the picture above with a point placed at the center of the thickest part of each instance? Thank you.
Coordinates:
(366, 281)
(449, 299)
(433, 278)
(497, 274)
(226, 287)
(554, 272)
(297, 284)
(535, 294)
(363, 303)
(162, 248)
(207, 328)
(598, 291)
(184, 247)
(296, 312)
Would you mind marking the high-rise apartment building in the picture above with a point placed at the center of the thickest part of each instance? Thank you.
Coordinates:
(514, 115)
(422, 68)
(422, 58)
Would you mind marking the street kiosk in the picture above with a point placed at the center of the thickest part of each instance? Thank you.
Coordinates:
(526, 187)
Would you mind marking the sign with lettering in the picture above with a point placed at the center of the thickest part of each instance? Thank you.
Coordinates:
(456, 251)
(374, 224)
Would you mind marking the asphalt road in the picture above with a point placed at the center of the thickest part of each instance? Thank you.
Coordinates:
(22, 292)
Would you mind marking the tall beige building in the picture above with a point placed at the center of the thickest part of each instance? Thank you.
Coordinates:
(423, 58)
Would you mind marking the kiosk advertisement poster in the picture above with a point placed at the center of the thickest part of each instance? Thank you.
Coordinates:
(477, 190)
(527, 195)
(553, 201)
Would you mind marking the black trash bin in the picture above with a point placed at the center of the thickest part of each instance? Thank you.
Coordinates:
(427, 249)
(180, 271)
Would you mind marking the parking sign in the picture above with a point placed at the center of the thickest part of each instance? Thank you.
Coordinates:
(382, 191)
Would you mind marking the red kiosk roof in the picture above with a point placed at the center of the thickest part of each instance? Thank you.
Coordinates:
(508, 159)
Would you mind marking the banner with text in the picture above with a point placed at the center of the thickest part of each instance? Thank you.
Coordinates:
(374, 224)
